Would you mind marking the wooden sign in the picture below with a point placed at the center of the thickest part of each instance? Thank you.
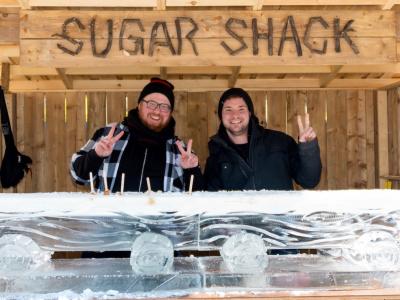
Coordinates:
(201, 38)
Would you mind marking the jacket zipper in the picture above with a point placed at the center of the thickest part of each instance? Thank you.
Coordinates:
(141, 174)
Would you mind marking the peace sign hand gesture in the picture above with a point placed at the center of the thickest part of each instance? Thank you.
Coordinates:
(105, 146)
(189, 159)
(306, 132)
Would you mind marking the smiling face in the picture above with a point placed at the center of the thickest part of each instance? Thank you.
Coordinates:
(235, 117)
(155, 119)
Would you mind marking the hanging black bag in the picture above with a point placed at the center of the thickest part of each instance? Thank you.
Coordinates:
(15, 164)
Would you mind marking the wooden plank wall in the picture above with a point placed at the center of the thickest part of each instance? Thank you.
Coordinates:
(51, 127)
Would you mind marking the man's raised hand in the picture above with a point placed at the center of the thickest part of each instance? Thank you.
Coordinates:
(105, 146)
(189, 159)
(306, 132)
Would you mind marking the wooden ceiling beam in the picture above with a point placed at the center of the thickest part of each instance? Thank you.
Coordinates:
(7, 51)
(258, 4)
(368, 83)
(92, 3)
(68, 82)
(163, 73)
(24, 4)
(389, 4)
(325, 80)
(161, 5)
(198, 3)
(9, 3)
(234, 77)
(202, 84)
(5, 76)
(394, 84)
(324, 2)
(17, 71)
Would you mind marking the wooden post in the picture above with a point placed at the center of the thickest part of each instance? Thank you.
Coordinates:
(5, 76)
(383, 141)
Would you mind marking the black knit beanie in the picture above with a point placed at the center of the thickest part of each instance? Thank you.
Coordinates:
(232, 93)
(158, 85)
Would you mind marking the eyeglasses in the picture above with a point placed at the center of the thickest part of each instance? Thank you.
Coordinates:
(154, 105)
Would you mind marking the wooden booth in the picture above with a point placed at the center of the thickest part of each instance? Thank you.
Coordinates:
(70, 67)
(73, 66)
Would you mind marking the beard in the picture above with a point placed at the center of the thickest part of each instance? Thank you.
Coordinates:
(154, 125)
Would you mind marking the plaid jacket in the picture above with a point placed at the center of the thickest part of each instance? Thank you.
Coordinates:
(110, 165)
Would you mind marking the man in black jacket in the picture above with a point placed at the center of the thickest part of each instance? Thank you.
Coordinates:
(143, 145)
(246, 156)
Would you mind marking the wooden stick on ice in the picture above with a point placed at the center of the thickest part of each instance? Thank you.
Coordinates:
(91, 183)
(151, 200)
(122, 183)
(106, 190)
(191, 184)
(148, 185)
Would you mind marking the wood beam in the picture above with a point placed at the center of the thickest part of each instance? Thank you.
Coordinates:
(93, 3)
(389, 4)
(368, 83)
(161, 5)
(24, 4)
(22, 85)
(273, 2)
(68, 83)
(5, 76)
(197, 3)
(113, 85)
(394, 84)
(234, 77)
(324, 2)
(163, 73)
(9, 51)
(258, 4)
(9, 3)
(325, 80)
(17, 71)
(213, 70)
(124, 70)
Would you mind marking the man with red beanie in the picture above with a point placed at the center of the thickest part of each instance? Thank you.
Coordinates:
(246, 156)
(142, 145)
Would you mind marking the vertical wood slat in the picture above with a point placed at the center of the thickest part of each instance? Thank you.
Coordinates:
(383, 141)
(213, 119)
(277, 111)
(180, 115)
(39, 175)
(54, 137)
(356, 140)
(370, 123)
(116, 107)
(71, 130)
(393, 134)
(197, 128)
(336, 130)
(317, 109)
(259, 105)
(295, 106)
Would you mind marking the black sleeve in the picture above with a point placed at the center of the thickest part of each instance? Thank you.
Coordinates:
(86, 163)
(212, 181)
(307, 170)
(86, 160)
(198, 181)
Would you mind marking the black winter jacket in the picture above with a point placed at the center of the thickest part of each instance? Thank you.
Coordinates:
(274, 160)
